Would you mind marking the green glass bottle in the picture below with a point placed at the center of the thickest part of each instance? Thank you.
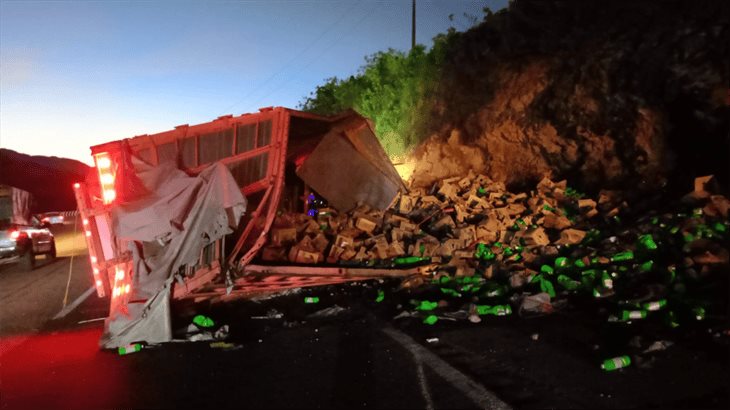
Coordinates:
(622, 256)
(203, 321)
(568, 283)
(647, 241)
(561, 262)
(655, 305)
(646, 266)
(616, 363)
(496, 310)
(408, 260)
(606, 280)
(311, 299)
(633, 314)
(699, 313)
(450, 292)
(427, 305)
(430, 319)
(129, 349)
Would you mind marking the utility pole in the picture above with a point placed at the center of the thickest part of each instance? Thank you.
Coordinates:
(413, 24)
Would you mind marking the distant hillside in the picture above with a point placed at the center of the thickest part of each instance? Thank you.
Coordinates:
(49, 179)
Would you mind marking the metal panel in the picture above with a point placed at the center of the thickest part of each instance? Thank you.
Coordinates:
(105, 236)
(343, 176)
(246, 138)
(187, 149)
(167, 152)
(214, 146)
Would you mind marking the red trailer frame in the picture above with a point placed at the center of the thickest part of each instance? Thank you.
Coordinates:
(256, 148)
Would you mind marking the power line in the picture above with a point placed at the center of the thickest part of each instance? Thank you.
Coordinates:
(297, 56)
(337, 40)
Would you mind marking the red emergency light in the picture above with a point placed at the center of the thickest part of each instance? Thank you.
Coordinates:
(105, 169)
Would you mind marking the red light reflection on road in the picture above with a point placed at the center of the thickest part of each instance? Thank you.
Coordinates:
(60, 370)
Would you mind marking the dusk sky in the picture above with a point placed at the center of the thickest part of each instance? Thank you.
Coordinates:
(79, 73)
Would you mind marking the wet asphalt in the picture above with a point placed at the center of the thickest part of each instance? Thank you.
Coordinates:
(353, 360)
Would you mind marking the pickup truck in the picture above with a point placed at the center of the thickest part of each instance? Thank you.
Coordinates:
(21, 237)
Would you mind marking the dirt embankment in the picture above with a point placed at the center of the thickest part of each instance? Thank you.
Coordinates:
(612, 96)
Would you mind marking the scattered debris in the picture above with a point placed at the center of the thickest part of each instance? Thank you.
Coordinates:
(658, 346)
(225, 346)
(327, 312)
(270, 314)
(484, 251)
(539, 303)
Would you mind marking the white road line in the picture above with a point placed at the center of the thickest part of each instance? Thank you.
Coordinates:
(98, 319)
(471, 389)
(424, 384)
(69, 308)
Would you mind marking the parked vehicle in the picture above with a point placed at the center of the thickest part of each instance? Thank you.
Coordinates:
(52, 218)
(22, 237)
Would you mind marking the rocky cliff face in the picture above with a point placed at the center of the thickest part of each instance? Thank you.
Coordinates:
(616, 95)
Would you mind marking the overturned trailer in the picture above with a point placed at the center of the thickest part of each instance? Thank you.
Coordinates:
(182, 214)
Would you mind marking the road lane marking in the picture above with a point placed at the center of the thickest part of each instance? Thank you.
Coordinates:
(471, 389)
(424, 384)
(68, 309)
(98, 319)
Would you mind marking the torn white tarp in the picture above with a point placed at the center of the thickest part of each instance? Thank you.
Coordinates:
(165, 229)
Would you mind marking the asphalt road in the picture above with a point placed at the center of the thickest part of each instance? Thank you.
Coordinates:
(28, 299)
(360, 357)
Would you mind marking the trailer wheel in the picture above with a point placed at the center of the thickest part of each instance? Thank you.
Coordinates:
(27, 261)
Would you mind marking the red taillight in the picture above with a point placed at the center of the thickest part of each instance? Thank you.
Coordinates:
(14, 235)
(105, 169)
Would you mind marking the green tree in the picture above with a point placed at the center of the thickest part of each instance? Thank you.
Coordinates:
(393, 88)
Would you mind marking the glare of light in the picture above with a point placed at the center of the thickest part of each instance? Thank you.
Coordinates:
(106, 179)
(119, 275)
(14, 234)
(86, 221)
(93, 259)
(103, 162)
(98, 282)
(88, 233)
(109, 195)
(77, 185)
(96, 271)
(126, 288)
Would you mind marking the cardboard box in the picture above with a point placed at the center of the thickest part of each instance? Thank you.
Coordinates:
(365, 224)
(283, 236)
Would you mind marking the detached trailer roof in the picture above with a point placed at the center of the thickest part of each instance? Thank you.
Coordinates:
(349, 166)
